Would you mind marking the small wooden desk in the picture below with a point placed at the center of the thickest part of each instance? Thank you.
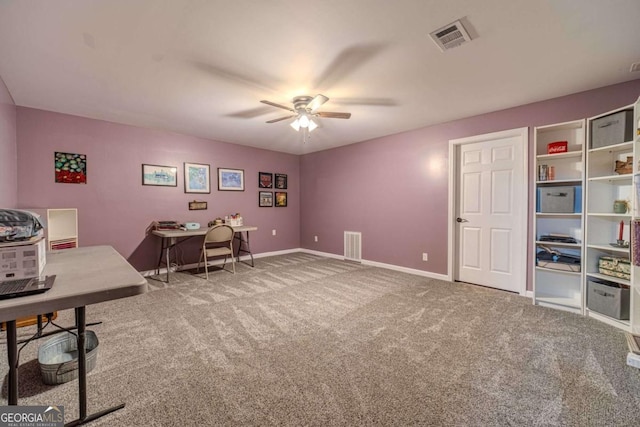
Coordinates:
(171, 238)
(84, 276)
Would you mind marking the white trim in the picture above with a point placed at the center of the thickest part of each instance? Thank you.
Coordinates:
(451, 238)
(406, 270)
(312, 252)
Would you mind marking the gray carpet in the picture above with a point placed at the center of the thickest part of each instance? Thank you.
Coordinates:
(304, 340)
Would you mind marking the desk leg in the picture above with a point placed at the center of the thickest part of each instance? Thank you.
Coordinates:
(12, 356)
(82, 375)
(247, 248)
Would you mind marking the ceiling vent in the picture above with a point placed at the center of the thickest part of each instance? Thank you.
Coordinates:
(450, 36)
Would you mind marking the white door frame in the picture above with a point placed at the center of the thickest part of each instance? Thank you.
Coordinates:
(453, 184)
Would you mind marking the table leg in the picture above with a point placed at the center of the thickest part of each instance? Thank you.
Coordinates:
(82, 375)
(246, 245)
(12, 356)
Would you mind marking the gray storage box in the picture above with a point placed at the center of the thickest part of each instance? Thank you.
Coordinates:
(608, 299)
(612, 129)
(557, 199)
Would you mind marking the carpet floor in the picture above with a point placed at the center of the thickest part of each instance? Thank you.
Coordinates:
(302, 340)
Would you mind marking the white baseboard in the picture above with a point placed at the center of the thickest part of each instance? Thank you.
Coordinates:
(312, 252)
(383, 265)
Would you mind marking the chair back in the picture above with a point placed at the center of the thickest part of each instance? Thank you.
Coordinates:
(219, 234)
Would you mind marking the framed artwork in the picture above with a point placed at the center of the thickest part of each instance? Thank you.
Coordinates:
(265, 180)
(265, 199)
(281, 199)
(196, 178)
(197, 205)
(281, 181)
(70, 168)
(164, 176)
(230, 179)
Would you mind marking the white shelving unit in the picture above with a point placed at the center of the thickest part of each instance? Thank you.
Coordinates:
(61, 227)
(559, 289)
(635, 214)
(602, 225)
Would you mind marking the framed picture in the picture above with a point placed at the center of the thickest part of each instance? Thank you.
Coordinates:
(196, 178)
(164, 176)
(197, 206)
(265, 199)
(265, 180)
(281, 199)
(230, 179)
(281, 181)
(70, 168)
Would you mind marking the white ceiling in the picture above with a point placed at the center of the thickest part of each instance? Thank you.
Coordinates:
(201, 67)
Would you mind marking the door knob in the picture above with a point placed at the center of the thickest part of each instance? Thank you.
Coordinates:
(461, 220)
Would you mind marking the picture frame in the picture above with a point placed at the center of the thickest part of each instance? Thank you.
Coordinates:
(265, 180)
(158, 175)
(230, 179)
(281, 181)
(197, 205)
(281, 199)
(70, 168)
(265, 199)
(197, 178)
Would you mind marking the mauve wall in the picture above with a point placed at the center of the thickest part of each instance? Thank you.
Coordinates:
(114, 208)
(8, 150)
(394, 189)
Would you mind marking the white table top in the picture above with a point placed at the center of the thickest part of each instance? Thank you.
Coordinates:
(84, 276)
(199, 231)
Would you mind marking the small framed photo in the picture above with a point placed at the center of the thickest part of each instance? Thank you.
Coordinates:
(163, 176)
(281, 199)
(265, 199)
(265, 180)
(196, 178)
(281, 181)
(230, 179)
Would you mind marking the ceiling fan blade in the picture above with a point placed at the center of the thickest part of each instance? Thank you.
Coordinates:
(316, 102)
(273, 104)
(330, 115)
(280, 119)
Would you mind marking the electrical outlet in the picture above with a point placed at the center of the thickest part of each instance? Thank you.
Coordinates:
(273, 232)
(315, 238)
(425, 256)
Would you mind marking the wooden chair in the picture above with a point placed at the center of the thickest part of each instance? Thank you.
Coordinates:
(217, 242)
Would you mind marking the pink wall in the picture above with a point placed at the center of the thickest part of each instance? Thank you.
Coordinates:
(8, 150)
(115, 208)
(394, 189)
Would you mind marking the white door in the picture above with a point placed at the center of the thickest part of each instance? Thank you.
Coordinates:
(491, 210)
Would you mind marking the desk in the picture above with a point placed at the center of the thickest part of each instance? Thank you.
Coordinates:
(170, 238)
(84, 276)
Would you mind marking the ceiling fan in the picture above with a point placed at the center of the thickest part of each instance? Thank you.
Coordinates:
(304, 109)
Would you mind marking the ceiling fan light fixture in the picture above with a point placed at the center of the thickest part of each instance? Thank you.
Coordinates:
(312, 125)
(296, 124)
(304, 121)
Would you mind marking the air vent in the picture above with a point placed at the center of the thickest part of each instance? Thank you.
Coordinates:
(635, 67)
(450, 36)
(353, 246)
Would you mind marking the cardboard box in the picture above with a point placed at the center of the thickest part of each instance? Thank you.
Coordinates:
(608, 299)
(612, 129)
(20, 260)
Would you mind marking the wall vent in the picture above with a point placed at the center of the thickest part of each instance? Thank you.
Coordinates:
(635, 67)
(353, 246)
(450, 36)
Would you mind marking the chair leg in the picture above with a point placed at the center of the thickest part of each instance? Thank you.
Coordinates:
(206, 267)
